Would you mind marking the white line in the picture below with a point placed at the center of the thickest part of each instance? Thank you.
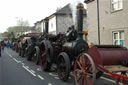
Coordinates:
(53, 74)
(56, 77)
(19, 61)
(41, 77)
(23, 64)
(33, 71)
(15, 60)
(26, 66)
(9, 54)
(29, 71)
(110, 80)
(49, 83)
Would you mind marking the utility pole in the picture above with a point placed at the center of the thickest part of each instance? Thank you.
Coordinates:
(98, 21)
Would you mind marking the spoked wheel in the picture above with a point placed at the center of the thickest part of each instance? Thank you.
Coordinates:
(118, 80)
(36, 56)
(85, 70)
(63, 66)
(44, 62)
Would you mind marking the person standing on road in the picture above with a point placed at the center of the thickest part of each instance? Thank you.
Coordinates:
(2, 45)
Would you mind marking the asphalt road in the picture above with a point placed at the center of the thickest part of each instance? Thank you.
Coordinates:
(15, 70)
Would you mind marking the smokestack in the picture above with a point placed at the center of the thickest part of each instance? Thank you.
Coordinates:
(46, 24)
(80, 9)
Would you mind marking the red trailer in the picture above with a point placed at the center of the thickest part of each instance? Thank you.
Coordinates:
(99, 59)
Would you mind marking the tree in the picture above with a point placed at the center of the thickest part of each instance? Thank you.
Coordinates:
(21, 24)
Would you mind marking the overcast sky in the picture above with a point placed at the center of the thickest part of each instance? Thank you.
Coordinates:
(31, 10)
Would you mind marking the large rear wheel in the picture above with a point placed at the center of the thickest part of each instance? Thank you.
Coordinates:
(85, 70)
(63, 66)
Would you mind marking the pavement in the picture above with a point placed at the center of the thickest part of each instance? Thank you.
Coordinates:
(15, 70)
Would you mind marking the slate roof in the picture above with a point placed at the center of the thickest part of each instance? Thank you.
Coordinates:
(66, 10)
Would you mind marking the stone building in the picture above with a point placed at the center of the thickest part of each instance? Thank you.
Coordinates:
(61, 20)
(113, 18)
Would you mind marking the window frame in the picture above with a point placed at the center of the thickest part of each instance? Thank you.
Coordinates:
(118, 3)
(119, 38)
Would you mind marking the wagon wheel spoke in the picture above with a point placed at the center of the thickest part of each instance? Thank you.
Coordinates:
(80, 66)
(82, 61)
(79, 78)
(82, 80)
(89, 82)
(89, 74)
(88, 67)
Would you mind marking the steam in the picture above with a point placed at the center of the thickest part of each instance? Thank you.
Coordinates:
(73, 5)
(73, 10)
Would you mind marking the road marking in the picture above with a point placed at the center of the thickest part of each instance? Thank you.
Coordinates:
(51, 74)
(19, 61)
(26, 66)
(49, 83)
(9, 54)
(110, 80)
(29, 70)
(33, 71)
(41, 77)
(23, 64)
(15, 60)
(39, 69)
(56, 77)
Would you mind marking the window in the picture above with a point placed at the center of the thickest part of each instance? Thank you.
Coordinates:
(118, 38)
(116, 5)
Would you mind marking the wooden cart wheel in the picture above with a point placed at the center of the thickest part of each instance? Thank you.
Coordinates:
(85, 70)
(118, 80)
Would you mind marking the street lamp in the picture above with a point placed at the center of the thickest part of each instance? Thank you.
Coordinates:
(98, 18)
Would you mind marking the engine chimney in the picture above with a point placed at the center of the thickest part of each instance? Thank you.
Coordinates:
(80, 9)
(46, 24)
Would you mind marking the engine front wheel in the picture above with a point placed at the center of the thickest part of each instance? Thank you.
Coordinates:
(63, 66)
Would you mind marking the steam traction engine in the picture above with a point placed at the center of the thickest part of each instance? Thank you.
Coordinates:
(112, 59)
(62, 49)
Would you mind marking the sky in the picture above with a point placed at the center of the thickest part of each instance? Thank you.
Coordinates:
(32, 10)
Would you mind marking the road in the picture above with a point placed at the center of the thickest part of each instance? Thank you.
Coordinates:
(15, 70)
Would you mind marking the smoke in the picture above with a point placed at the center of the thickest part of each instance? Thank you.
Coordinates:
(73, 5)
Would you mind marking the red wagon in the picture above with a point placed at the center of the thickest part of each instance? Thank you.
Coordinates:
(99, 59)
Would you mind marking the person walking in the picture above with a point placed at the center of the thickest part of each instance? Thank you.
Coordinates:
(2, 45)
